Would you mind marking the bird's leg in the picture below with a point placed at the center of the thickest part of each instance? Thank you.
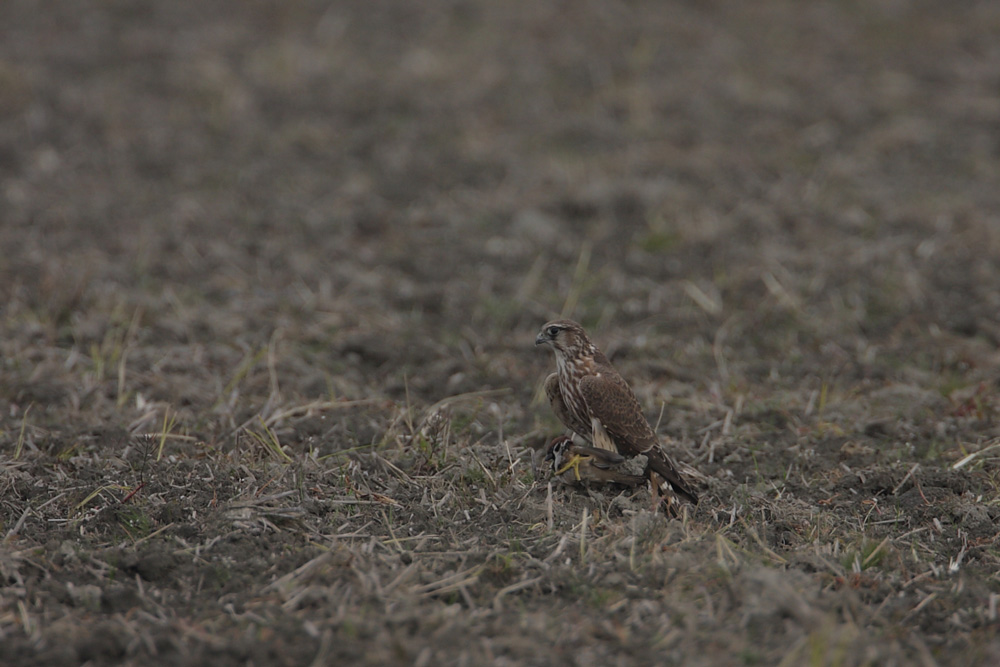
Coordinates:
(656, 491)
(664, 500)
(573, 463)
(657, 499)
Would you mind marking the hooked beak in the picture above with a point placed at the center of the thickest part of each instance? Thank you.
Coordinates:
(540, 339)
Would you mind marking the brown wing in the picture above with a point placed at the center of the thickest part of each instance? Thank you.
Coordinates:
(601, 438)
(554, 394)
(619, 477)
(611, 401)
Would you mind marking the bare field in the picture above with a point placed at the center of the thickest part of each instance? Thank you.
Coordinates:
(270, 276)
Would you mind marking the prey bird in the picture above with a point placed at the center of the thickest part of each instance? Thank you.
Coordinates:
(591, 399)
(580, 464)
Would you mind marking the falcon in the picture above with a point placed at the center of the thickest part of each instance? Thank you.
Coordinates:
(592, 400)
(575, 464)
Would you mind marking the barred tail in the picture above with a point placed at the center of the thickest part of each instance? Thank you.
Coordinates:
(659, 463)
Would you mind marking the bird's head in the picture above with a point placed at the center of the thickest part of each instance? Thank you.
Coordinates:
(565, 337)
(556, 450)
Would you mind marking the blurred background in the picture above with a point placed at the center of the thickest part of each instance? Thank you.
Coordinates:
(402, 193)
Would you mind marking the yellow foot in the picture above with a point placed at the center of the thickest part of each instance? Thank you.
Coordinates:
(573, 463)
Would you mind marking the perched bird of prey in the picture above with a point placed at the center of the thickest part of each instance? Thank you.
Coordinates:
(575, 464)
(591, 399)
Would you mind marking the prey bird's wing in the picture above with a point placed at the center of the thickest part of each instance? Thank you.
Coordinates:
(602, 458)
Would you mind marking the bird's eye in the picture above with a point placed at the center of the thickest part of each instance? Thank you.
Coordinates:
(552, 331)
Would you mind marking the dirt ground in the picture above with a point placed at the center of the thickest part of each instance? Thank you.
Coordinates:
(271, 272)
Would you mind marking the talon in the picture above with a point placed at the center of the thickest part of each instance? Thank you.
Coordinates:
(573, 463)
